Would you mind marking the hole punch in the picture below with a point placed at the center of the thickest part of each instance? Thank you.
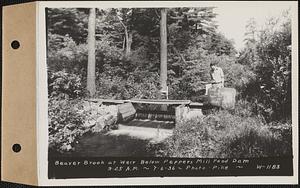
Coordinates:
(15, 44)
(16, 148)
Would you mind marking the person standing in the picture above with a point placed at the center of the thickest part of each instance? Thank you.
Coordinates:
(217, 78)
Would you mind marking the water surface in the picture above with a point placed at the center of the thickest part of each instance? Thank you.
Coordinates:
(130, 140)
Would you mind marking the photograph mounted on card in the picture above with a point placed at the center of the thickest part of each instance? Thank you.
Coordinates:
(160, 93)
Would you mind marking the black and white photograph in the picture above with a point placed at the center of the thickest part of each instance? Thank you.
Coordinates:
(171, 91)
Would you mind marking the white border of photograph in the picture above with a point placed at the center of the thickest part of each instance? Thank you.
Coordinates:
(42, 98)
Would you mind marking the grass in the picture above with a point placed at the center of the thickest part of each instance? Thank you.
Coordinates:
(223, 134)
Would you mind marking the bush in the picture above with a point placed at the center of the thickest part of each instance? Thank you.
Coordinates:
(222, 134)
(65, 94)
(63, 83)
(271, 87)
(138, 84)
(64, 53)
(65, 123)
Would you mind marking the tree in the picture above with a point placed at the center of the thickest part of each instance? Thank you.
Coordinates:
(269, 55)
(248, 54)
(134, 33)
(124, 16)
(218, 44)
(91, 74)
(186, 24)
(163, 50)
(68, 21)
(119, 19)
(274, 67)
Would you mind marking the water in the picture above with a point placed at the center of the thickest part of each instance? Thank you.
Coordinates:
(130, 140)
(101, 145)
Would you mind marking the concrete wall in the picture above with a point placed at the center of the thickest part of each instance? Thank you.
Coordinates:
(183, 113)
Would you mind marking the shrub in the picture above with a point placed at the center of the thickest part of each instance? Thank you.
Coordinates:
(65, 94)
(64, 53)
(138, 84)
(222, 134)
(271, 86)
(65, 123)
(63, 83)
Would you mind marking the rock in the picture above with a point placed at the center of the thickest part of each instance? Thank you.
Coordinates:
(126, 112)
(110, 119)
(101, 116)
(94, 105)
(86, 105)
(100, 124)
(89, 123)
(111, 122)
(114, 126)
(91, 106)
(112, 109)
(66, 147)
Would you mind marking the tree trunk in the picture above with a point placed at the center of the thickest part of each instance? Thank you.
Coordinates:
(128, 39)
(163, 51)
(91, 73)
(128, 43)
(123, 44)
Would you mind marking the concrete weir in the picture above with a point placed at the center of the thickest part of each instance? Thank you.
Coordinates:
(165, 110)
(152, 120)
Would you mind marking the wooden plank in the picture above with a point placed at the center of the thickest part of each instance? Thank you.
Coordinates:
(154, 101)
(112, 101)
(142, 101)
(196, 104)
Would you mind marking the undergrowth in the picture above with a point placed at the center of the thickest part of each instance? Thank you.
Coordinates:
(224, 134)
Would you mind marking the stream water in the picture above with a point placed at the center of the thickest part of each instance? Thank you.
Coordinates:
(103, 145)
(130, 140)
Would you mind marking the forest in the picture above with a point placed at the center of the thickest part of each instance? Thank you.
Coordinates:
(126, 64)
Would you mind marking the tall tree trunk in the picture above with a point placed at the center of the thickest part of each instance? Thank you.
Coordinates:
(163, 51)
(128, 39)
(123, 44)
(91, 72)
(128, 43)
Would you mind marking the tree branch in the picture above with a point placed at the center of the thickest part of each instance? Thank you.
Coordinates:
(178, 53)
(121, 22)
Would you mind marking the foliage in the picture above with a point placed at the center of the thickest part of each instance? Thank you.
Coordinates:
(261, 74)
(195, 71)
(223, 134)
(64, 54)
(64, 110)
(65, 123)
(218, 44)
(271, 65)
(140, 84)
(274, 71)
(64, 84)
(249, 53)
(185, 26)
(236, 75)
(68, 21)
